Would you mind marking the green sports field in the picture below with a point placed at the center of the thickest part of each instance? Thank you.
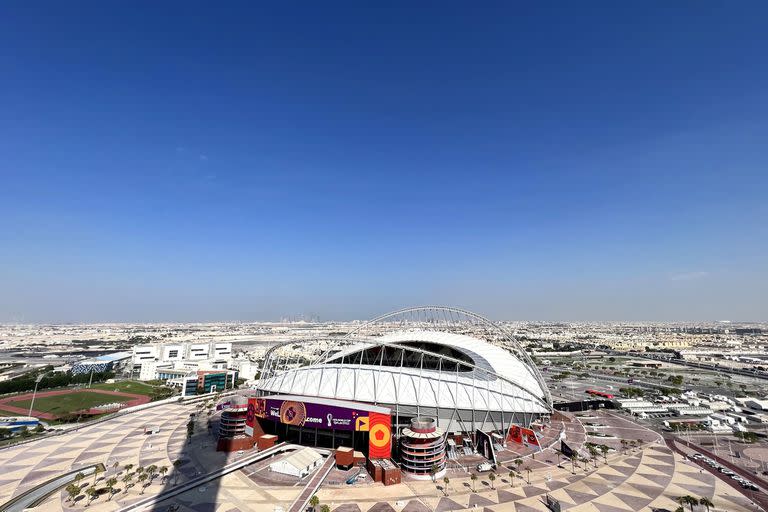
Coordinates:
(127, 386)
(61, 405)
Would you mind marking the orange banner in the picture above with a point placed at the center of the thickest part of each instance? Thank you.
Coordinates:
(380, 435)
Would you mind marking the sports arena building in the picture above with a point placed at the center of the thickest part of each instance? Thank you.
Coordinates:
(363, 389)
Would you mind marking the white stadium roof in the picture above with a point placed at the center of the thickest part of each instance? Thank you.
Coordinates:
(418, 365)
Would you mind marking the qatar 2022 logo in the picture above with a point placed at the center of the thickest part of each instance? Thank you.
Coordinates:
(293, 413)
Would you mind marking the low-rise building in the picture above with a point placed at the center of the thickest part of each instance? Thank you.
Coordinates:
(299, 464)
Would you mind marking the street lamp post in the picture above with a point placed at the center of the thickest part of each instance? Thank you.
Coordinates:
(37, 381)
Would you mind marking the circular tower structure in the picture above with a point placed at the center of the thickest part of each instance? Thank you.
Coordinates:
(422, 448)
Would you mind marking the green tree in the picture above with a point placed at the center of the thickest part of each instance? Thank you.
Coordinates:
(97, 471)
(73, 491)
(512, 478)
(528, 471)
(473, 477)
(687, 500)
(492, 478)
(314, 501)
(111, 483)
(91, 492)
(706, 502)
(592, 453)
(126, 480)
(325, 508)
(604, 450)
(142, 480)
(446, 481)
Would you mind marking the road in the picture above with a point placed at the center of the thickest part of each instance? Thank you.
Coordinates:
(758, 497)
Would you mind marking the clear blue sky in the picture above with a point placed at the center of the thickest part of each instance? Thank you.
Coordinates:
(563, 161)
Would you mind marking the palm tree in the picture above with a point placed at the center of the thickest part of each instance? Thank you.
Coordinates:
(91, 492)
(128, 467)
(433, 471)
(512, 478)
(110, 483)
(518, 463)
(325, 508)
(98, 469)
(116, 465)
(706, 502)
(584, 461)
(127, 478)
(623, 445)
(687, 500)
(142, 478)
(528, 470)
(473, 477)
(314, 501)
(604, 450)
(593, 453)
(492, 478)
(446, 481)
(163, 470)
(72, 492)
(573, 458)
(176, 473)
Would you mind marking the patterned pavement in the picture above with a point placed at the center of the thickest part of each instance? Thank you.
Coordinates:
(641, 479)
(121, 439)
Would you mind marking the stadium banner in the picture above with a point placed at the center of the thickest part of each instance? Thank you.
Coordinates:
(485, 445)
(250, 417)
(379, 435)
(330, 417)
(522, 435)
(308, 414)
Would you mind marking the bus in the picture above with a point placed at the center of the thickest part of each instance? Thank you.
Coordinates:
(601, 394)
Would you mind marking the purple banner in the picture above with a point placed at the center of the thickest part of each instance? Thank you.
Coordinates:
(312, 415)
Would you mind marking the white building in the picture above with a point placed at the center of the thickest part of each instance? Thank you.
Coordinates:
(299, 464)
(148, 360)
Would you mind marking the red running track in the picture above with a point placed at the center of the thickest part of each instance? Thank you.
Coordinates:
(5, 402)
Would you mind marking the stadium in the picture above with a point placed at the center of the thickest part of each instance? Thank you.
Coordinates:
(365, 388)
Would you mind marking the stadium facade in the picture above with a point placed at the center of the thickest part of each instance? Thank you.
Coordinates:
(463, 370)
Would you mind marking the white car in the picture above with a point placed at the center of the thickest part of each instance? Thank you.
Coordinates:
(484, 466)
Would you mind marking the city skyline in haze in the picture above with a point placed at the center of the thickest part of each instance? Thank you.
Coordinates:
(183, 162)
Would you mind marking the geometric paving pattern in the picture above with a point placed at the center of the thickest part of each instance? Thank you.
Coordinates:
(649, 478)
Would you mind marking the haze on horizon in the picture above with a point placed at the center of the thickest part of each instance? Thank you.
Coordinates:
(181, 162)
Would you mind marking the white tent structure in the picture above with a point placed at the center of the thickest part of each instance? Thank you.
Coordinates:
(299, 464)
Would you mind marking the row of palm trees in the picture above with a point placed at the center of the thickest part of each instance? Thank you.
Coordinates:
(692, 501)
(314, 501)
(145, 476)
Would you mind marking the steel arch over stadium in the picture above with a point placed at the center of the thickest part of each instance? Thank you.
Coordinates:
(451, 364)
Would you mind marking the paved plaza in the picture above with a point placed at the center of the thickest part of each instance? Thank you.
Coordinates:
(632, 479)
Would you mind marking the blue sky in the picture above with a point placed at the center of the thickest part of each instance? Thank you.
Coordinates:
(192, 162)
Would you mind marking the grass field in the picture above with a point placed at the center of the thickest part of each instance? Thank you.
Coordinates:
(64, 404)
(127, 386)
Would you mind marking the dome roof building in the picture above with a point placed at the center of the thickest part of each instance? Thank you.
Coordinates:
(467, 372)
